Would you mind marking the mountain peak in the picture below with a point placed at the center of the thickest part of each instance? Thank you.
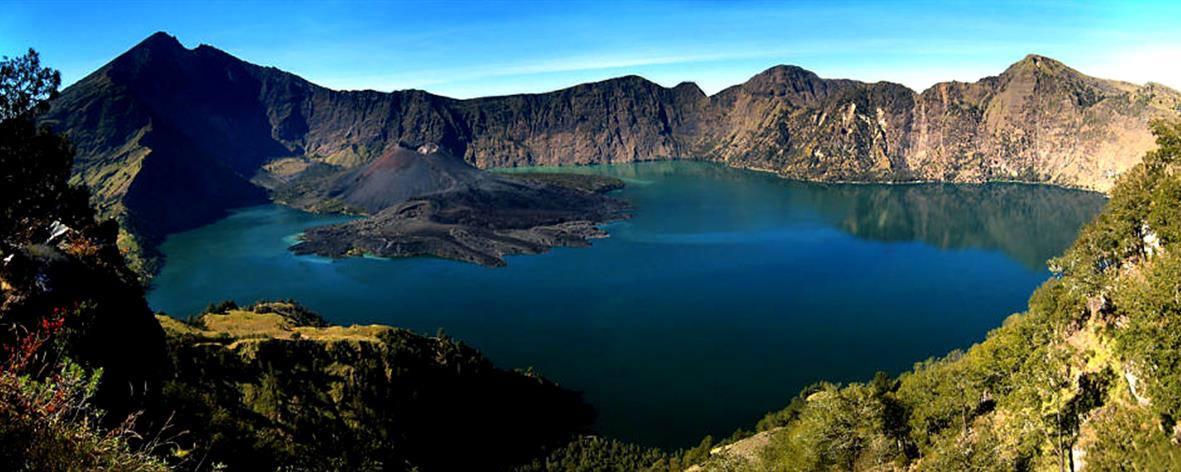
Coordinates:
(1040, 59)
(627, 81)
(785, 74)
(630, 78)
(689, 87)
(158, 48)
(787, 70)
(1036, 62)
(159, 40)
(785, 80)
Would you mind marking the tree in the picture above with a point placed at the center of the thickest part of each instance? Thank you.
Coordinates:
(34, 162)
(53, 254)
(25, 86)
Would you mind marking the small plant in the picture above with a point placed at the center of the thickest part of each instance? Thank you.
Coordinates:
(46, 419)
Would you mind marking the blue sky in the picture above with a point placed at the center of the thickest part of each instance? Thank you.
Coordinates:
(467, 49)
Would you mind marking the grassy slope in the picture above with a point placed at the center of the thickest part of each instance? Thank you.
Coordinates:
(274, 386)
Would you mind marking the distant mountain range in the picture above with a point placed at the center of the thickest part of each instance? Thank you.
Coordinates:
(169, 138)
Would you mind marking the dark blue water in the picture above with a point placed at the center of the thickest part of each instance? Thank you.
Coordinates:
(726, 293)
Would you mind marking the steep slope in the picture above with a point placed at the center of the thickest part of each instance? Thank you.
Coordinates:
(162, 161)
(169, 137)
(91, 380)
(790, 121)
(1039, 121)
(618, 120)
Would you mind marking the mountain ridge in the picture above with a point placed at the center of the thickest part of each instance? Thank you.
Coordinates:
(206, 126)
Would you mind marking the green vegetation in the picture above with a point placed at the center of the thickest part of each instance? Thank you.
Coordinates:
(35, 162)
(591, 453)
(25, 86)
(272, 386)
(47, 422)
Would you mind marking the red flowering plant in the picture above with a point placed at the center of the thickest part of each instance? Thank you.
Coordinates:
(46, 418)
(38, 380)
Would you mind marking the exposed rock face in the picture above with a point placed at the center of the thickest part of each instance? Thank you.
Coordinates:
(618, 120)
(1039, 121)
(790, 121)
(169, 137)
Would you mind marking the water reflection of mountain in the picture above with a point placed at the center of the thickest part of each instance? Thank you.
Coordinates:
(1030, 223)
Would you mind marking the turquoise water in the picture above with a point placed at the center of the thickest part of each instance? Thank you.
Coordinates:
(725, 294)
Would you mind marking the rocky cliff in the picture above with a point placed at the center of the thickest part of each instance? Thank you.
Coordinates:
(1039, 121)
(169, 138)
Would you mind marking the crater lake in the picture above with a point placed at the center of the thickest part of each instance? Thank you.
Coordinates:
(725, 294)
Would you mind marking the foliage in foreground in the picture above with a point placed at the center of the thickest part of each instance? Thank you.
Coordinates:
(47, 420)
(69, 308)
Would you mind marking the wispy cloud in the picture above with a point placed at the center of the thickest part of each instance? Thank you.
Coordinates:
(634, 62)
(481, 48)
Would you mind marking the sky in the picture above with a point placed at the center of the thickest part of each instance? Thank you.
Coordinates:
(469, 49)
